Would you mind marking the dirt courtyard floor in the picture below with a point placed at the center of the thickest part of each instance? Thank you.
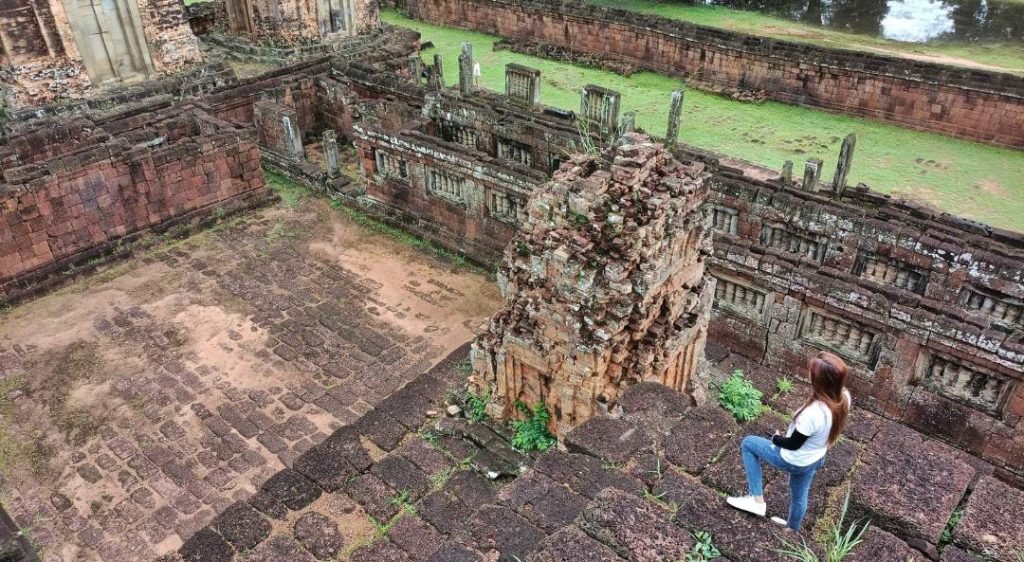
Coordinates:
(138, 403)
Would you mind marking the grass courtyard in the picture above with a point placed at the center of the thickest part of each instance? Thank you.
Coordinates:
(1005, 56)
(982, 182)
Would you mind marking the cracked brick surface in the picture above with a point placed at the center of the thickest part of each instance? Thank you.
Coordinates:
(219, 361)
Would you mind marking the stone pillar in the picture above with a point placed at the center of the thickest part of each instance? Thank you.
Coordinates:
(522, 84)
(466, 69)
(599, 108)
(812, 171)
(787, 171)
(331, 153)
(416, 68)
(278, 129)
(437, 73)
(610, 305)
(843, 167)
(675, 112)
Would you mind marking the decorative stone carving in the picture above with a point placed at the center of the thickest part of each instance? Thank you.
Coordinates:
(522, 84)
(599, 108)
(605, 287)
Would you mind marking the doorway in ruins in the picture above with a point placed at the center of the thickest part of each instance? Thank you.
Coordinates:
(336, 17)
(110, 39)
(239, 16)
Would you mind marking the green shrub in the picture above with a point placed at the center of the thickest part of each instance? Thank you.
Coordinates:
(784, 385)
(954, 519)
(703, 548)
(532, 433)
(738, 396)
(837, 545)
(476, 406)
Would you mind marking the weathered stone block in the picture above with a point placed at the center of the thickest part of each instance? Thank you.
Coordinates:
(503, 530)
(206, 546)
(909, 485)
(242, 526)
(607, 439)
(696, 439)
(572, 545)
(634, 528)
(417, 538)
(292, 489)
(319, 535)
(544, 502)
(585, 474)
(880, 545)
(992, 521)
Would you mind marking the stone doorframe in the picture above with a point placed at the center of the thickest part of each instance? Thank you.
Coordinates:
(239, 16)
(336, 17)
(127, 13)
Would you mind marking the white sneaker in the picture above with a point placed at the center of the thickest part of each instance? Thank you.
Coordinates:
(748, 504)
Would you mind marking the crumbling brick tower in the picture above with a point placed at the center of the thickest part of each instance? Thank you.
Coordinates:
(604, 287)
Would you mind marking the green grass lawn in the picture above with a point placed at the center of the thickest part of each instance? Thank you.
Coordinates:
(969, 179)
(1008, 56)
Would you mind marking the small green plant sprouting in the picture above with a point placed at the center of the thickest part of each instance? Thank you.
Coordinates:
(954, 519)
(703, 548)
(532, 433)
(401, 499)
(837, 544)
(656, 471)
(437, 481)
(476, 406)
(429, 436)
(465, 366)
(739, 397)
(380, 528)
(673, 510)
(651, 496)
(1018, 554)
(784, 385)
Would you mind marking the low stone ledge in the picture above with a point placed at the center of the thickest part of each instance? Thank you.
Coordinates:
(608, 439)
(992, 521)
(909, 485)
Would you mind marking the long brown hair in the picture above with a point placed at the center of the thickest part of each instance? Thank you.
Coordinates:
(828, 380)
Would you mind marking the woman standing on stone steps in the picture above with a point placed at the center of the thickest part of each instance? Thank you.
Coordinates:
(801, 451)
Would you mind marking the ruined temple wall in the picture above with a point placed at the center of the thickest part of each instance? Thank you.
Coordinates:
(926, 308)
(295, 87)
(285, 21)
(38, 38)
(57, 213)
(439, 191)
(928, 315)
(172, 44)
(970, 104)
(299, 21)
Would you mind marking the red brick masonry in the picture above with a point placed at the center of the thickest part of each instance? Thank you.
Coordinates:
(155, 168)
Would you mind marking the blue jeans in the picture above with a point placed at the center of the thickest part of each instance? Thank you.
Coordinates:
(757, 449)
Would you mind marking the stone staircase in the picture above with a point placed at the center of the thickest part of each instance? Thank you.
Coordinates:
(635, 488)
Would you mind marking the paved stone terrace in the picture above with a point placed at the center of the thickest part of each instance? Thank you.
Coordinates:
(141, 402)
(399, 485)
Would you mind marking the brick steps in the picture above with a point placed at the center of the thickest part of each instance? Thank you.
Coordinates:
(633, 488)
